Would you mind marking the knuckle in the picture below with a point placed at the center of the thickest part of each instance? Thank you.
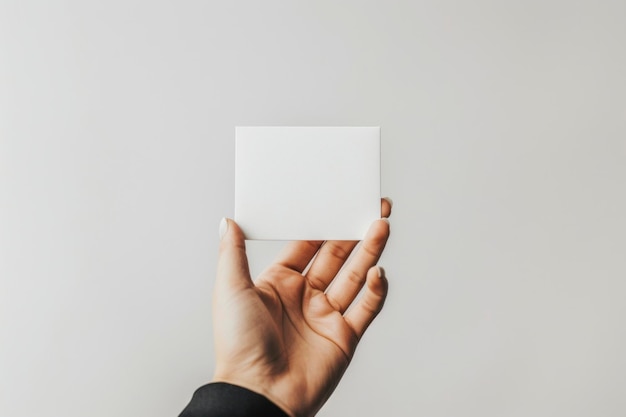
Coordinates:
(316, 282)
(355, 277)
(372, 306)
(372, 249)
(338, 251)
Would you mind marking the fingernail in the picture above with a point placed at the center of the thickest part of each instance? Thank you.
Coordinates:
(223, 227)
(386, 220)
(389, 200)
(381, 272)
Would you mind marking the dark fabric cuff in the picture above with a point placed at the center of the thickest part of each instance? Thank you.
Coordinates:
(219, 399)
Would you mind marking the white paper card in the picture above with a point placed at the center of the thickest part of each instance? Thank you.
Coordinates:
(307, 183)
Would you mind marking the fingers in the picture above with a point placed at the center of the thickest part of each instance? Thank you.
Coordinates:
(333, 254)
(385, 206)
(297, 255)
(350, 280)
(232, 264)
(367, 308)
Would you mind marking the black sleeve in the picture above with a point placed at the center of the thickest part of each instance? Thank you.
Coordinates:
(225, 400)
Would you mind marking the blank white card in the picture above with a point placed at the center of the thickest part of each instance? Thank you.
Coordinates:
(307, 183)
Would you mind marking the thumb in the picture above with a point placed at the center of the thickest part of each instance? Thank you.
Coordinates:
(232, 264)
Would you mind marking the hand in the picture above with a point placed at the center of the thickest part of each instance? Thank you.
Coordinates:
(288, 335)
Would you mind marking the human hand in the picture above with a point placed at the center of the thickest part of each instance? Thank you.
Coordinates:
(290, 336)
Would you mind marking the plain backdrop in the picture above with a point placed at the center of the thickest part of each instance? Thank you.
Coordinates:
(503, 148)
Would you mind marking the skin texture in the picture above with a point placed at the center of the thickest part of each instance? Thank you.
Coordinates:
(290, 335)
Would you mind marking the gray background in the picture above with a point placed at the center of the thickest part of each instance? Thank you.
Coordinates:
(504, 149)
